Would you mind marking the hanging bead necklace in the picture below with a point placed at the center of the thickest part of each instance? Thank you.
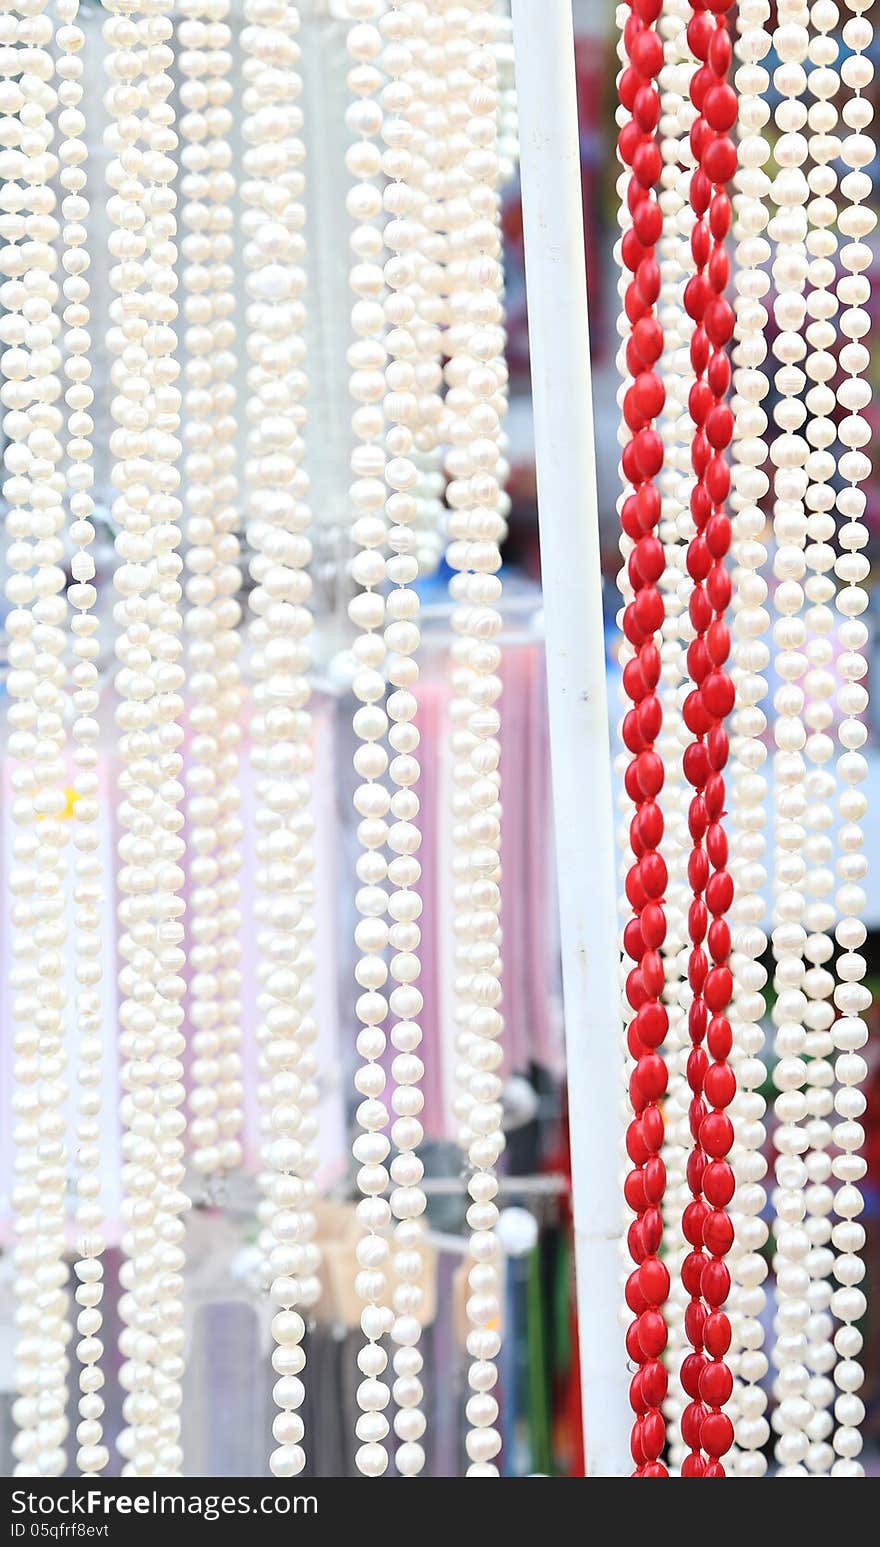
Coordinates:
(368, 492)
(642, 460)
(401, 638)
(818, 684)
(789, 453)
(214, 614)
(476, 382)
(749, 785)
(851, 997)
(277, 523)
(146, 511)
(675, 530)
(706, 1429)
(89, 893)
(34, 489)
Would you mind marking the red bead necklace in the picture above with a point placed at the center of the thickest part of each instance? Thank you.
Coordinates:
(648, 1285)
(707, 1431)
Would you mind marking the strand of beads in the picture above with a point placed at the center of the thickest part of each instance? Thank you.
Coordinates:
(207, 187)
(427, 255)
(625, 653)
(789, 453)
(675, 531)
(819, 588)
(278, 520)
(368, 492)
(642, 459)
(145, 448)
(35, 623)
(749, 785)
(401, 637)
(851, 997)
(476, 399)
(706, 1429)
(89, 895)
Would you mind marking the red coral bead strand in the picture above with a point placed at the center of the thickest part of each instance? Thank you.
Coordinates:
(706, 1429)
(648, 1286)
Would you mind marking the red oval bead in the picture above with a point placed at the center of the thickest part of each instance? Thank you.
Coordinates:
(649, 770)
(718, 694)
(655, 1382)
(719, 159)
(652, 1021)
(719, 103)
(715, 1284)
(654, 1174)
(648, 222)
(652, 1129)
(719, 892)
(634, 1350)
(646, 109)
(653, 1435)
(700, 31)
(716, 1434)
(646, 53)
(718, 1183)
(718, 1233)
(648, 339)
(653, 1078)
(692, 1367)
(634, 1193)
(720, 1037)
(653, 919)
(716, 1385)
(652, 1333)
(718, 988)
(719, 52)
(720, 1085)
(649, 609)
(691, 1422)
(716, 1134)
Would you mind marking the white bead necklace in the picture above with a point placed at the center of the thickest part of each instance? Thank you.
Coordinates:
(819, 913)
(425, 179)
(402, 412)
(214, 580)
(851, 996)
(88, 889)
(789, 452)
(34, 488)
(278, 520)
(475, 399)
(750, 659)
(145, 449)
(367, 359)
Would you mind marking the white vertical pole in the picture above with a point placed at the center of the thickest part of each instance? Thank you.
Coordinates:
(579, 738)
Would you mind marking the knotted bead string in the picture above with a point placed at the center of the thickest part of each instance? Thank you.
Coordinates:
(751, 656)
(34, 488)
(146, 510)
(642, 460)
(851, 997)
(278, 522)
(476, 401)
(706, 1429)
(818, 684)
(89, 892)
(789, 453)
(367, 358)
(214, 613)
(401, 639)
(675, 530)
